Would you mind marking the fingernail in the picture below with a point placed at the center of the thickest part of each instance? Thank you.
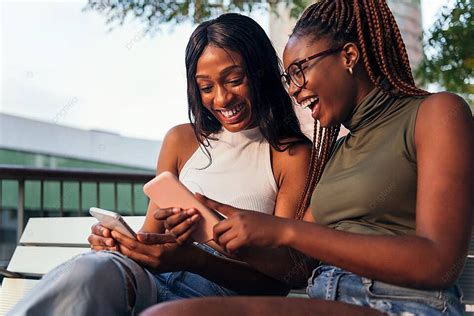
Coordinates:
(191, 211)
(176, 210)
(195, 218)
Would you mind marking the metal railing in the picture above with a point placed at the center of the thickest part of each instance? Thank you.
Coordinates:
(22, 174)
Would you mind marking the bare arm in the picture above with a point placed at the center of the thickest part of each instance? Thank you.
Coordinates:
(290, 169)
(171, 156)
(434, 256)
(178, 146)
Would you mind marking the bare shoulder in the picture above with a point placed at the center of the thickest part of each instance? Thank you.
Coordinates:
(290, 170)
(295, 150)
(444, 107)
(178, 146)
(443, 114)
(292, 163)
(181, 134)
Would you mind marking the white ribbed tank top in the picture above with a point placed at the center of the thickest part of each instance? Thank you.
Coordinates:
(240, 173)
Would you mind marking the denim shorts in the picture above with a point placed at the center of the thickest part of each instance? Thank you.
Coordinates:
(332, 283)
(177, 285)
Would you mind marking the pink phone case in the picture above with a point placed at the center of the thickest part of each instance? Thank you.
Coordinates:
(166, 191)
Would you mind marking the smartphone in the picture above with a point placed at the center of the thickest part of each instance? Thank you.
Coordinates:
(165, 190)
(112, 221)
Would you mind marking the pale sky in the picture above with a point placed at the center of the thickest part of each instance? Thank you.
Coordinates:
(61, 65)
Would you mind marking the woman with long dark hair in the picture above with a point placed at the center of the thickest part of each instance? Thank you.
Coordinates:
(392, 201)
(243, 146)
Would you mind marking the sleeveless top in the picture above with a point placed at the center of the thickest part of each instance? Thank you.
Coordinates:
(369, 184)
(240, 173)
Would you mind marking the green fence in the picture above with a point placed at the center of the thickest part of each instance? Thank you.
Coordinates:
(46, 185)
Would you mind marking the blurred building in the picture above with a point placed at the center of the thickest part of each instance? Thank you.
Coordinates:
(31, 143)
(46, 144)
(408, 16)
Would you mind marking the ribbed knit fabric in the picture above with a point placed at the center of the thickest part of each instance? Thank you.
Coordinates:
(240, 173)
(369, 184)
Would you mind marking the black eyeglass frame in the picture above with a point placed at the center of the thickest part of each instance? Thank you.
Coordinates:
(287, 77)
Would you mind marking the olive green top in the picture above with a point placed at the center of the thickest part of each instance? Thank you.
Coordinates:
(369, 183)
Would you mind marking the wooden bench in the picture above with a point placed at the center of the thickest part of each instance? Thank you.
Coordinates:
(48, 242)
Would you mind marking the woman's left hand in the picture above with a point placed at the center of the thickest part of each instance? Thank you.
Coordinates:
(158, 252)
(245, 228)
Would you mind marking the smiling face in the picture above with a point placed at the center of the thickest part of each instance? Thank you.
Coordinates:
(330, 91)
(224, 89)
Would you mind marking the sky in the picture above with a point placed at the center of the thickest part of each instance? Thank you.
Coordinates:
(64, 66)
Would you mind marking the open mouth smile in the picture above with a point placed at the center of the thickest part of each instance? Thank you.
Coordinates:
(231, 115)
(310, 102)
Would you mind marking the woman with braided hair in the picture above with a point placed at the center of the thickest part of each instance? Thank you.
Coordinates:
(392, 201)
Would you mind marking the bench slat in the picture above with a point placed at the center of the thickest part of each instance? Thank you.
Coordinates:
(466, 281)
(36, 261)
(12, 291)
(65, 231)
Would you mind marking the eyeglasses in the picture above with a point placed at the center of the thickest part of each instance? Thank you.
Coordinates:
(295, 72)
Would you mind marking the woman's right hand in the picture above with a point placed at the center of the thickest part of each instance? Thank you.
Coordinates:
(101, 238)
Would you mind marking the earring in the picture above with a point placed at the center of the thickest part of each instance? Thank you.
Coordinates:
(350, 70)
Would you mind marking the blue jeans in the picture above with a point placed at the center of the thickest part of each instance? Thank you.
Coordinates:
(108, 283)
(332, 283)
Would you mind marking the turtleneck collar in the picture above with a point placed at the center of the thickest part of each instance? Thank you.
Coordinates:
(372, 107)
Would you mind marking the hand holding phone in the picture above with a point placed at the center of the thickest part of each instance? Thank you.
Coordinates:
(166, 191)
(101, 238)
(112, 221)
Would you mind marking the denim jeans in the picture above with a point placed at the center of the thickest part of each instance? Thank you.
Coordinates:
(332, 283)
(108, 283)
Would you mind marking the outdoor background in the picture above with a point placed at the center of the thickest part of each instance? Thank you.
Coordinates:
(63, 65)
(95, 85)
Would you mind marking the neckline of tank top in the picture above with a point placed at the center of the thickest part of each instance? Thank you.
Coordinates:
(249, 134)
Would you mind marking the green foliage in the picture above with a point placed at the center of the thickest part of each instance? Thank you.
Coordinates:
(449, 51)
(156, 13)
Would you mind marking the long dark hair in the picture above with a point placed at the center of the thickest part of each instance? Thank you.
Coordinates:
(369, 24)
(271, 104)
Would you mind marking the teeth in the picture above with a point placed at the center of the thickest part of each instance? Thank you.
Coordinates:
(232, 112)
(306, 103)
